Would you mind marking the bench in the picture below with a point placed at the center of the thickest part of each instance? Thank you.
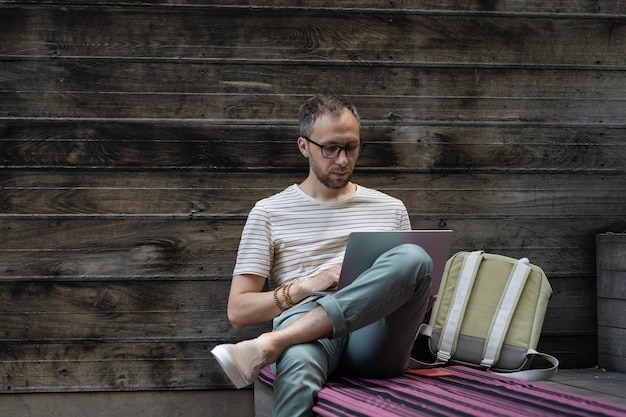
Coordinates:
(450, 391)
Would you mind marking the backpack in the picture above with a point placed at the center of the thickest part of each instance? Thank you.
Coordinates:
(488, 314)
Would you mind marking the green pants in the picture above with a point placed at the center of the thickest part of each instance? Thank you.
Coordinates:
(375, 321)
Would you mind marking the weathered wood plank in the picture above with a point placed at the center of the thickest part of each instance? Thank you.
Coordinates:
(112, 319)
(157, 326)
(120, 326)
(568, 291)
(387, 129)
(182, 236)
(261, 186)
(612, 347)
(141, 77)
(613, 283)
(612, 362)
(166, 233)
(312, 36)
(560, 318)
(141, 310)
(238, 201)
(573, 352)
(408, 108)
(108, 299)
(132, 247)
(568, 321)
(390, 146)
(174, 248)
(611, 313)
(528, 7)
(97, 264)
(141, 261)
(223, 193)
(97, 313)
(611, 258)
(114, 366)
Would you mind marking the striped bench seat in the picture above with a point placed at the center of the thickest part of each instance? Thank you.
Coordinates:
(450, 391)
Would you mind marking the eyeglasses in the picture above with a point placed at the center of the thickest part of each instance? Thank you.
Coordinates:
(333, 151)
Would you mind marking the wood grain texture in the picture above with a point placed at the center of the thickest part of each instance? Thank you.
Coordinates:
(139, 77)
(136, 137)
(308, 35)
(530, 7)
(391, 147)
(111, 366)
(238, 200)
(612, 345)
(406, 108)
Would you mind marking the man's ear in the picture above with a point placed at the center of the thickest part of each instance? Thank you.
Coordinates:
(302, 147)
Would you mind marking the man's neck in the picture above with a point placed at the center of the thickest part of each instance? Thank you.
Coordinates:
(317, 190)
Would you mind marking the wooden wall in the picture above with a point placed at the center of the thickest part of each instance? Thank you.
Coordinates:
(136, 136)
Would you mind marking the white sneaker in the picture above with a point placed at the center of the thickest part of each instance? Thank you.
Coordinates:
(242, 362)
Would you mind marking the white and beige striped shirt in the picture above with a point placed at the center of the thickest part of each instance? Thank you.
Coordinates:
(291, 236)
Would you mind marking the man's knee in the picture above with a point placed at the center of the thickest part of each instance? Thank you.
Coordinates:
(412, 258)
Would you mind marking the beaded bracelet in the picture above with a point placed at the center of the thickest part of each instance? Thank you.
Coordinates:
(286, 295)
(277, 301)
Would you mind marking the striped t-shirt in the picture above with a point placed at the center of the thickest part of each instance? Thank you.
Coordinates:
(291, 236)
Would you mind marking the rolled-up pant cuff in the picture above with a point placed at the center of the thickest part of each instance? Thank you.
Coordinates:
(335, 314)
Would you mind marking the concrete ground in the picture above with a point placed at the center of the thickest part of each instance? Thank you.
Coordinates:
(218, 403)
(595, 383)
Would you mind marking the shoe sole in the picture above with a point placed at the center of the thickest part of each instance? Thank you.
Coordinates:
(229, 366)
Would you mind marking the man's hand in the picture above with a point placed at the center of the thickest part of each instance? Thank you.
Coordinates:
(324, 281)
(248, 304)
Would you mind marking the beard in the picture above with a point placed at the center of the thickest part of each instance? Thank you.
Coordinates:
(325, 179)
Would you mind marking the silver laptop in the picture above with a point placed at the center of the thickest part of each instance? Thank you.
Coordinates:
(364, 248)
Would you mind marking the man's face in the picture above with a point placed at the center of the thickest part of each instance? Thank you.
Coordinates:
(344, 131)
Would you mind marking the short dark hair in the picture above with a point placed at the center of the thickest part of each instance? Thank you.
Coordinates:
(321, 104)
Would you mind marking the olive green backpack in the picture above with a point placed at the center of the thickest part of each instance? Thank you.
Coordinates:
(489, 314)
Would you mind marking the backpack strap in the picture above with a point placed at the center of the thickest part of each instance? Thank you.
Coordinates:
(452, 325)
(504, 313)
(537, 374)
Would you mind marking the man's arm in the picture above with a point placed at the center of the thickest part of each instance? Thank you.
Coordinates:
(249, 304)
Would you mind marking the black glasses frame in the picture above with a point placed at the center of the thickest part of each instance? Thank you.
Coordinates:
(328, 153)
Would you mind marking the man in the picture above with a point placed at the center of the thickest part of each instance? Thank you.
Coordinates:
(297, 238)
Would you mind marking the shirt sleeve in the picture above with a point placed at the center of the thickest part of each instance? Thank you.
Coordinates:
(405, 221)
(256, 249)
